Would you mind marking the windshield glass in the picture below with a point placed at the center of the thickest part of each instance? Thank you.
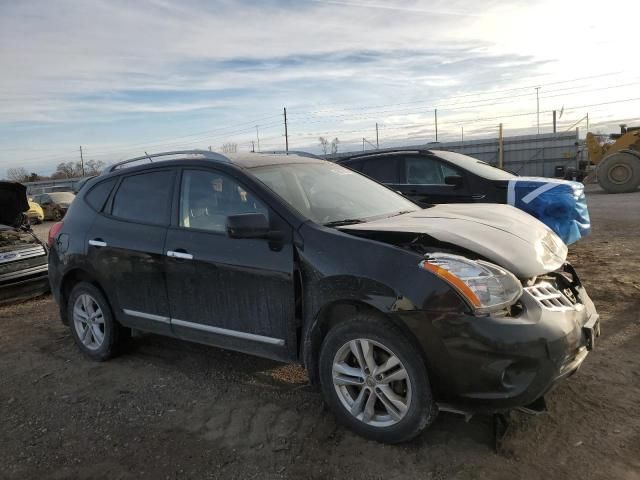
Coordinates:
(475, 166)
(62, 197)
(325, 192)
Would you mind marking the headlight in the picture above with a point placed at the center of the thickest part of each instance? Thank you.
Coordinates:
(487, 287)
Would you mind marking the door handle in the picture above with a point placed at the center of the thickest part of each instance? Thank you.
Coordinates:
(98, 242)
(178, 254)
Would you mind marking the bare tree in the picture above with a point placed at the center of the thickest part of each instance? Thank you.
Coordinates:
(93, 167)
(17, 174)
(230, 147)
(67, 170)
(324, 144)
(334, 146)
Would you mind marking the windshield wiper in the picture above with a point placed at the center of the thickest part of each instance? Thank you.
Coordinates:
(346, 221)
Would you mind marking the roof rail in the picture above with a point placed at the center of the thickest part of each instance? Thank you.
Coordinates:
(208, 155)
(386, 151)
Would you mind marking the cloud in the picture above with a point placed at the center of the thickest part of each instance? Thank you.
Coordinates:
(118, 73)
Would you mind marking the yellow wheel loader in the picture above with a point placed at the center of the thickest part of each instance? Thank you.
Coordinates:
(618, 163)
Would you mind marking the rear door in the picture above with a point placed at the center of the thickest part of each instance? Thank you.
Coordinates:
(125, 244)
(230, 292)
(384, 168)
(424, 181)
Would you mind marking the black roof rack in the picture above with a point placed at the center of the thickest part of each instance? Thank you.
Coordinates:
(206, 154)
(385, 151)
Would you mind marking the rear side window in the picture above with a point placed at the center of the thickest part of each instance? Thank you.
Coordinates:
(97, 196)
(384, 170)
(145, 198)
(427, 171)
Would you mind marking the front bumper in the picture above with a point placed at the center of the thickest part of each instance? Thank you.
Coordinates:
(495, 363)
(24, 284)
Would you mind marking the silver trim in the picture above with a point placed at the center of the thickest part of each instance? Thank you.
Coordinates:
(181, 255)
(15, 255)
(148, 316)
(229, 333)
(97, 243)
(25, 273)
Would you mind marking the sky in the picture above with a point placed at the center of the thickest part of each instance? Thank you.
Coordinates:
(121, 77)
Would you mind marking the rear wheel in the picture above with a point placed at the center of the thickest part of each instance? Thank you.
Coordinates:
(375, 380)
(619, 173)
(57, 215)
(92, 324)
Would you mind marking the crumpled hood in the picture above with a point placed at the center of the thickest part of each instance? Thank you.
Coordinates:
(501, 233)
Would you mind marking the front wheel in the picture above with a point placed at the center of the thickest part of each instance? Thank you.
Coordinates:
(375, 380)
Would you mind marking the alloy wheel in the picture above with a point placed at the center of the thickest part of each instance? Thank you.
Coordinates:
(88, 321)
(371, 382)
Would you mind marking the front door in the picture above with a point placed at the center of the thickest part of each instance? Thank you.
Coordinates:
(233, 293)
(425, 181)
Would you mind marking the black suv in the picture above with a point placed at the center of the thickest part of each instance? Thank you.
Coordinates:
(433, 176)
(396, 311)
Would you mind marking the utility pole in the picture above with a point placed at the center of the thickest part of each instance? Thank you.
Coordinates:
(538, 107)
(253, 146)
(377, 140)
(363, 144)
(500, 148)
(81, 161)
(286, 133)
(587, 122)
(554, 121)
(462, 135)
(258, 133)
(436, 114)
(209, 147)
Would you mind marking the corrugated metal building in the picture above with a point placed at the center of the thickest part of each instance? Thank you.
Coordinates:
(530, 155)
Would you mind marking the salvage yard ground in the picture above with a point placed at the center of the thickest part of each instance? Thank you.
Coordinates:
(170, 409)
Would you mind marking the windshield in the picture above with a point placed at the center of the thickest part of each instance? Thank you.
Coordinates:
(326, 193)
(475, 166)
(62, 197)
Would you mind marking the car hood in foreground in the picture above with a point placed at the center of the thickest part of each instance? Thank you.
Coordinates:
(500, 233)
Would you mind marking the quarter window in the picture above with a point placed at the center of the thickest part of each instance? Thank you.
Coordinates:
(97, 196)
(145, 198)
(208, 198)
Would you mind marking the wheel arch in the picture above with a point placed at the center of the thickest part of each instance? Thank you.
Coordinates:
(331, 315)
(69, 280)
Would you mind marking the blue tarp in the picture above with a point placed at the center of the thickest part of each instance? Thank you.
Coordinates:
(560, 204)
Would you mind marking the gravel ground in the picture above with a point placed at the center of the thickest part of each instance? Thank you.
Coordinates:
(169, 409)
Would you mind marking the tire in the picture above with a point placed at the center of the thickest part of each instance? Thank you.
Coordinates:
(619, 173)
(106, 337)
(410, 398)
(57, 216)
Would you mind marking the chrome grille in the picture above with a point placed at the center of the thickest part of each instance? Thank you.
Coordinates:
(15, 255)
(549, 297)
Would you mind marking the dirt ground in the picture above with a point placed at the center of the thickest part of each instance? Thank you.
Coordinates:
(169, 409)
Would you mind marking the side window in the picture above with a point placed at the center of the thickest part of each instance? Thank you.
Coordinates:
(145, 198)
(384, 170)
(97, 196)
(208, 198)
(426, 171)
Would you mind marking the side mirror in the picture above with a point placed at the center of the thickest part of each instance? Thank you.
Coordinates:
(248, 225)
(455, 180)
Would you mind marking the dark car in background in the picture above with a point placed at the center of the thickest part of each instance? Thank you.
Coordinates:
(23, 257)
(436, 176)
(396, 311)
(54, 204)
